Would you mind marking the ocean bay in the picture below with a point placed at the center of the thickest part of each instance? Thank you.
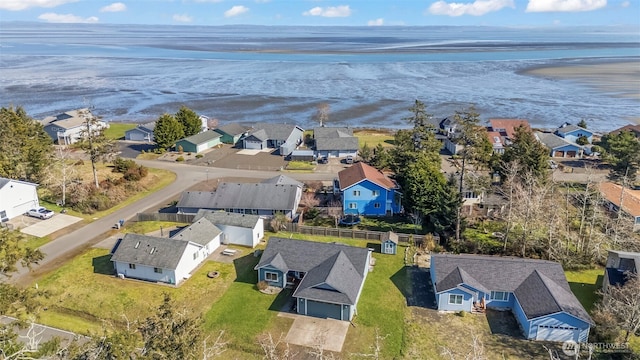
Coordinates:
(368, 76)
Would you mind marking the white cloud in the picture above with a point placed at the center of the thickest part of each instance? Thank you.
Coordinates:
(262, 1)
(625, 4)
(235, 11)
(376, 22)
(67, 18)
(564, 5)
(330, 11)
(182, 18)
(476, 8)
(115, 7)
(16, 5)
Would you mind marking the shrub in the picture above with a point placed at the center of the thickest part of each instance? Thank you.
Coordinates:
(123, 165)
(311, 213)
(262, 285)
(179, 159)
(199, 156)
(136, 173)
(461, 313)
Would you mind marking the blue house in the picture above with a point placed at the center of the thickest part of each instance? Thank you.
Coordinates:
(571, 133)
(536, 291)
(327, 277)
(560, 147)
(367, 191)
(273, 136)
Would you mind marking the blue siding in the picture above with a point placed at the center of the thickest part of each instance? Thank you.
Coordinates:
(560, 319)
(262, 276)
(443, 301)
(499, 304)
(525, 325)
(366, 203)
(388, 247)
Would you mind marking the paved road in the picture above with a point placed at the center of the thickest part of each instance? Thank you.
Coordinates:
(61, 249)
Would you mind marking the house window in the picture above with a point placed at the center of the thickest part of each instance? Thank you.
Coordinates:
(157, 270)
(353, 206)
(375, 193)
(455, 299)
(356, 192)
(271, 276)
(195, 255)
(499, 295)
(132, 266)
(376, 205)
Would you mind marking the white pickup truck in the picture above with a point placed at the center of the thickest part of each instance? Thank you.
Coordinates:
(40, 213)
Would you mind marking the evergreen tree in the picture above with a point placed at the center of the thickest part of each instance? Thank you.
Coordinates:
(527, 151)
(189, 120)
(25, 149)
(622, 150)
(366, 153)
(167, 131)
(381, 158)
(582, 124)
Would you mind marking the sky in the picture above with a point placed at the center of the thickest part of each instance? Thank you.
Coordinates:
(328, 12)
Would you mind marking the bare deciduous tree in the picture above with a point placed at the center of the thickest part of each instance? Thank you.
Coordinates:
(309, 199)
(477, 351)
(322, 113)
(376, 347)
(276, 349)
(623, 302)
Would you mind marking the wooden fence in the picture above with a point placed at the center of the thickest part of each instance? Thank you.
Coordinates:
(179, 218)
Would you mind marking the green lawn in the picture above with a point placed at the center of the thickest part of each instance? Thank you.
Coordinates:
(584, 284)
(116, 130)
(374, 137)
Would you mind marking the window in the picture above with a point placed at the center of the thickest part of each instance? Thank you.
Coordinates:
(353, 206)
(157, 270)
(195, 255)
(375, 193)
(132, 266)
(356, 192)
(376, 205)
(271, 276)
(455, 299)
(499, 295)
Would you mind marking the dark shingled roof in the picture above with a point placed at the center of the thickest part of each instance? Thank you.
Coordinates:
(333, 271)
(552, 141)
(202, 137)
(150, 251)
(201, 231)
(254, 196)
(283, 180)
(227, 218)
(514, 275)
(272, 131)
(196, 199)
(233, 129)
(334, 138)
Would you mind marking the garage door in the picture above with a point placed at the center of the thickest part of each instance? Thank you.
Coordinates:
(557, 333)
(571, 154)
(253, 145)
(559, 154)
(323, 310)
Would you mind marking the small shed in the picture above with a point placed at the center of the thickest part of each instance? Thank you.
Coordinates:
(389, 243)
(200, 142)
(302, 155)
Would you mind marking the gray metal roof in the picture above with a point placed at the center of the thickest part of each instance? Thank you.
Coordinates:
(150, 251)
(569, 128)
(273, 131)
(492, 273)
(283, 180)
(229, 219)
(552, 141)
(327, 266)
(202, 137)
(346, 143)
(233, 129)
(196, 199)
(201, 231)
(147, 128)
(259, 196)
(332, 132)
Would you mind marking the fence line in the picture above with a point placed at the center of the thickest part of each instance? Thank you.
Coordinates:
(179, 218)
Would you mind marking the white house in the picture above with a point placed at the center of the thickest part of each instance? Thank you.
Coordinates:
(237, 229)
(142, 132)
(16, 198)
(67, 128)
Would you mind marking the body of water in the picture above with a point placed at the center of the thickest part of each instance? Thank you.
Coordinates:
(369, 76)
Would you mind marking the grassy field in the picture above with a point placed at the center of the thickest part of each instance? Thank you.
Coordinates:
(116, 130)
(584, 284)
(374, 137)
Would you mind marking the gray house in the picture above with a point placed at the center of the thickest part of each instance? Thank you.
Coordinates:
(335, 142)
(536, 291)
(142, 132)
(274, 136)
(264, 199)
(69, 127)
(231, 133)
(328, 278)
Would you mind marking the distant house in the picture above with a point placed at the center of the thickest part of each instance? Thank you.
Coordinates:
(142, 132)
(501, 132)
(448, 126)
(16, 198)
(302, 155)
(389, 243)
(237, 229)
(635, 129)
(231, 133)
(199, 142)
(368, 191)
(560, 147)
(327, 277)
(265, 199)
(273, 136)
(335, 142)
(204, 123)
(536, 291)
(614, 196)
(620, 266)
(572, 133)
(69, 127)
(496, 142)
(283, 180)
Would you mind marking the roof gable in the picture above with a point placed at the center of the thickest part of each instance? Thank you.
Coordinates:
(229, 219)
(361, 171)
(150, 251)
(201, 232)
(553, 141)
(202, 137)
(507, 127)
(567, 129)
(233, 129)
(6, 181)
(259, 196)
(630, 198)
(283, 180)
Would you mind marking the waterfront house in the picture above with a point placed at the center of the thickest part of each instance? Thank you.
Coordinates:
(368, 191)
(231, 133)
(273, 136)
(199, 142)
(572, 133)
(69, 127)
(142, 132)
(335, 142)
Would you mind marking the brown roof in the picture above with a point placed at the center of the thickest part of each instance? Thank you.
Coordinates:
(361, 171)
(634, 128)
(509, 125)
(494, 137)
(630, 200)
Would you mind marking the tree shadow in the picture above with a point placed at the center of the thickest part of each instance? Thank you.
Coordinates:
(244, 269)
(173, 232)
(103, 265)
(377, 247)
(283, 302)
(415, 285)
(587, 293)
(503, 323)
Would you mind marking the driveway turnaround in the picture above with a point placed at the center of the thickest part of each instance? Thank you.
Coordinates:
(310, 331)
(42, 228)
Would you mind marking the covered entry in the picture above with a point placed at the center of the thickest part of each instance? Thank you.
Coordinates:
(557, 333)
(324, 310)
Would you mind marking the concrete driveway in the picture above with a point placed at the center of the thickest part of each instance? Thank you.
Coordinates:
(310, 331)
(42, 228)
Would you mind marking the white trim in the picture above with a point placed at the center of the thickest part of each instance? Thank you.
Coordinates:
(266, 276)
(455, 303)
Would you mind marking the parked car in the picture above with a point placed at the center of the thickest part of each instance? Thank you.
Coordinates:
(323, 160)
(40, 213)
(349, 159)
(553, 164)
